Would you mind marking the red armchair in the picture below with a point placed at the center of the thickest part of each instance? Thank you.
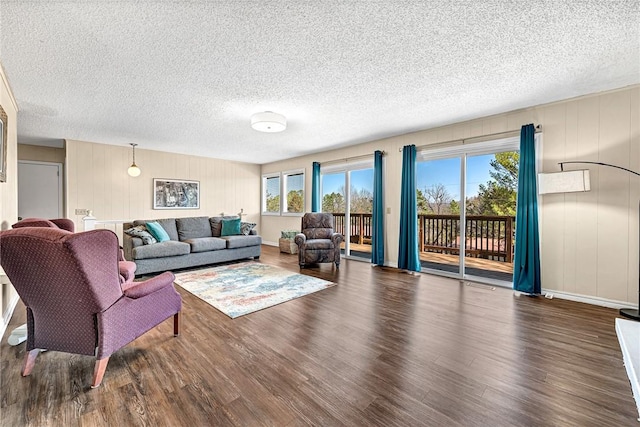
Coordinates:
(75, 303)
(127, 268)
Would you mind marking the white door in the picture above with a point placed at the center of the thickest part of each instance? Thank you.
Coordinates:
(39, 190)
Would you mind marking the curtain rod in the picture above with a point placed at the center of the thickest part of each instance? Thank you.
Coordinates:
(473, 138)
(350, 159)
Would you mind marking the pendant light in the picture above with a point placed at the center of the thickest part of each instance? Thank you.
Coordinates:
(133, 170)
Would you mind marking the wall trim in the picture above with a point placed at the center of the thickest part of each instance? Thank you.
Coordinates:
(5, 81)
(264, 242)
(603, 302)
(8, 314)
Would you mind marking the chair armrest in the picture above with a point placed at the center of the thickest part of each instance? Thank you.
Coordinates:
(147, 287)
(300, 239)
(128, 243)
(337, 238)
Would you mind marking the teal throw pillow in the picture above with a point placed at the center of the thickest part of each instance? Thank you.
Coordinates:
(157, 231)
(230, 227)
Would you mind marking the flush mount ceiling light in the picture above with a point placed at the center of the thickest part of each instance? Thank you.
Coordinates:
(268, 122)
(133, 170)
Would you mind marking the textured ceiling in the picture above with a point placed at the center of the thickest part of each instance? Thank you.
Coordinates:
(186, 76)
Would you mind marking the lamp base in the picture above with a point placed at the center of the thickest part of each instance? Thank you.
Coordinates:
(630, 313)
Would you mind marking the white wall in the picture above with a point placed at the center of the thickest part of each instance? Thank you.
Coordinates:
(97, 179)
(590, 240)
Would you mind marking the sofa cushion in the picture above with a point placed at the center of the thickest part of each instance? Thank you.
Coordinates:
(242, 241)
(216, 224)
(169, 225)
(204, 244)
(318, 244)
(193, 227)
(157, 231)
(141, 232)
(161, 250)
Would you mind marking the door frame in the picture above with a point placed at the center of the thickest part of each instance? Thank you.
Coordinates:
(347, 168)
(462, 151)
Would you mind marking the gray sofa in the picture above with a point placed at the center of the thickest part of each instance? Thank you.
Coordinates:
(193, 241)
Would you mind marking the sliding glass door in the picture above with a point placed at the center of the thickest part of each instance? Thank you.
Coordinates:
(466, 210)
(438, 195)
(351, 209)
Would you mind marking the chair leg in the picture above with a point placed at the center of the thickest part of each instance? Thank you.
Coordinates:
(176, 324)
(98, 371)
(29, 361)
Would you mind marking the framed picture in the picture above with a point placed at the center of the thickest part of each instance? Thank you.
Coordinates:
(3, 145)
(176, 194)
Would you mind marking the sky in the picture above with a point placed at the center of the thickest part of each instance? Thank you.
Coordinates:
(445, 171)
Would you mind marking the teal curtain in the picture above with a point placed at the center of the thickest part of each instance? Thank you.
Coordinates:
(377, 217)
(526, 267)
(408, 256)
(315, 187)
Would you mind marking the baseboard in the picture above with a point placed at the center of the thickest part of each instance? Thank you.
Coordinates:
(7, 315)
(264, 242)
(628, 332)
(603, 302)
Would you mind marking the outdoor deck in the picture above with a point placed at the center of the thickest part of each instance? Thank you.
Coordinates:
(499, 270)
(488, 242)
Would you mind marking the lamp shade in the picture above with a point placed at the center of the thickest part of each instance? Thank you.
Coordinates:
(564, 182)
(133, 170)
(268, 122)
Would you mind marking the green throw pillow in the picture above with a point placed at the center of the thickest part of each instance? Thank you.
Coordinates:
(157, 231)
(230, 227)
(288, 234)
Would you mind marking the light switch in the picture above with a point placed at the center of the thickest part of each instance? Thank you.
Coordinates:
(388, 210)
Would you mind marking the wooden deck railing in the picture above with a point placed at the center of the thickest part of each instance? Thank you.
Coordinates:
(489, 237)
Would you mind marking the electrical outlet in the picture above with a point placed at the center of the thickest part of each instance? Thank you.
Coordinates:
(82, 212)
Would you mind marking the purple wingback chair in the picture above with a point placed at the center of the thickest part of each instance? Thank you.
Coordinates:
(75, 303)
(127, 268)
(318, 242)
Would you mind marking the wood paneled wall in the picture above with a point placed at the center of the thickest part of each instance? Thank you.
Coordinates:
(589, 240)
(97, 179)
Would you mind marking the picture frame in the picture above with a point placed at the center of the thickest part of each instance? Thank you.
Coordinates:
(3, 145)
(176, 194)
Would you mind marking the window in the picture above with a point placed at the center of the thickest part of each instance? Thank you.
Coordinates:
(293, 188)
(271, 194)
(283, 193)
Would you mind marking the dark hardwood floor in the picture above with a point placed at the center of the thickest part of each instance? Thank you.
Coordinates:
(383, 348)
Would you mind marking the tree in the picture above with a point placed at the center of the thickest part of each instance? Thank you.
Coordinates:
(438, 199)
(498, 196)
(273, 203)
(333, 202)
(423, 207)
(454, 207)
(295, 201)
(361, 200)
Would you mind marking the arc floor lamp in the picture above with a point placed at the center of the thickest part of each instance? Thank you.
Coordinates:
(579, 180)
